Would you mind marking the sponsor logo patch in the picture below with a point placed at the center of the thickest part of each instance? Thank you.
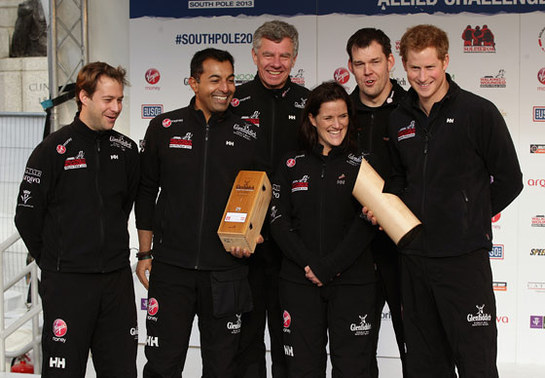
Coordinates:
(407, 132)
(300, 185)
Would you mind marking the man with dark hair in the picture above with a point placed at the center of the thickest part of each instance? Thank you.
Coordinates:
(273, 103)
(454, 165)
(370, 60)
(72, 211)
(190, 159)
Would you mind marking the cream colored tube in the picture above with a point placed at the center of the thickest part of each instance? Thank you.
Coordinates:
(391, 213)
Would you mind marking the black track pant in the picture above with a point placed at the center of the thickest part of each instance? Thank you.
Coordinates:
(175, 296)
(449, 314)
(263, 278)
(89, 311)
(344, 312)
(386, 258)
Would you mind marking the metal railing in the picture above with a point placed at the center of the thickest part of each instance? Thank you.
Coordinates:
(31, 315)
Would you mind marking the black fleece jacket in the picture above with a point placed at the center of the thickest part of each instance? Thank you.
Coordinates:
(317, 222)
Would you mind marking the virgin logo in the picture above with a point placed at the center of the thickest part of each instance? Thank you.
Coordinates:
(153, 306)
(235, 102)
(496, 218)
(341, 75)
(59, 328)
(287, 319)
(541, 75)
(152, 76)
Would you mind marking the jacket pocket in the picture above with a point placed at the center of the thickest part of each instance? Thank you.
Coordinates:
(231, 292)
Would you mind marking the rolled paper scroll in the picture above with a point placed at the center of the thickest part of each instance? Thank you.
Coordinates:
(391, 213)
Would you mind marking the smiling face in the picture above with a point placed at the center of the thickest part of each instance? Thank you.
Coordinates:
(371, 68)
(331, 124)
(100, 111)
(215, 87)
(427, 75)
(274, 62)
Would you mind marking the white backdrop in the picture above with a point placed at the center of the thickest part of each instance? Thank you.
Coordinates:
(164, 36)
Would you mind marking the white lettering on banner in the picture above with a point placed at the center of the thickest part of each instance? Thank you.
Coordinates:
(199, 4)
(412, 3)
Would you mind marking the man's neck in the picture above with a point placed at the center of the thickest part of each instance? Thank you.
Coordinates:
(375, 102)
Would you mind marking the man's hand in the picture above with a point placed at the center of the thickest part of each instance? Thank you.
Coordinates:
(142, 267)
(309, 274)
(240, 252)
(370, 217)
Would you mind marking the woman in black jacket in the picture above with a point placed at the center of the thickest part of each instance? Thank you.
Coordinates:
(327, 277)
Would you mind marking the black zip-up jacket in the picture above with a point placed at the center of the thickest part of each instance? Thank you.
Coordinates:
(192, 164)
(277, 113)
(372, 128)
(317, 222)
(75, 199)
(454, 169)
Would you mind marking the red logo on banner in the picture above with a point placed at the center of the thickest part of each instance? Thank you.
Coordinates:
(541, 75)
(152, 76)
(341, 75)
(496, 218)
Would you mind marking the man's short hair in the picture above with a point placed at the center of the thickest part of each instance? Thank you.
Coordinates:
(89, 75)
(419, 37)
(196, 67)
(276, 31)
(365, 36)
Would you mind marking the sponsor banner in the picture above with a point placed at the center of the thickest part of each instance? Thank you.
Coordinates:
(209, 8)
(537, 148)
(499, 286)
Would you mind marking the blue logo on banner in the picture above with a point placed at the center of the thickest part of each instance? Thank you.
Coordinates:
(497, 252)
(151, 111)
(539, 113)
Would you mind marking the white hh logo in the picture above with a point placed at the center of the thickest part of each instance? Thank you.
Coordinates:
(152, 341)
(59, 363)
(288, 350)
(292, 117)
(114, 157)
(450, 120)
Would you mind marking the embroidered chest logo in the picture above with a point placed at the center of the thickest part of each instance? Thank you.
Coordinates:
(184, 142)
(354, 160)
(76, 162)
(406, 132)
(300, 105)
(253, 118)
(341, 180)
(244, 131)
(300, 185)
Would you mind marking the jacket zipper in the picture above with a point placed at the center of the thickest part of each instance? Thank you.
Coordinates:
(100, 204)
(272, 135)
(203, 198)
(322, 177)
(426, 146)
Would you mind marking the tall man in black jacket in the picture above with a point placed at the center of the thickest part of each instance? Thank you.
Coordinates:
(72, 211)
(190, 159)
(273, 103)
(375, 97)
(455, 166)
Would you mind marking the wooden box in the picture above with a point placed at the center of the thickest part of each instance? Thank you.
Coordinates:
(245, 211)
